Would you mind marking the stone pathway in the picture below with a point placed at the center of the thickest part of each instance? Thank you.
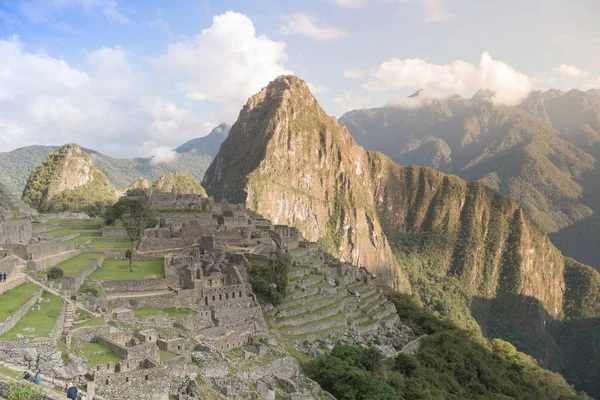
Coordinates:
(65, 298)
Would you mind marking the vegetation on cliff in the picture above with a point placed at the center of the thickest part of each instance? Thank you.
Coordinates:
(67, 180)
(450, 364)
(180, 182)
(541, 153)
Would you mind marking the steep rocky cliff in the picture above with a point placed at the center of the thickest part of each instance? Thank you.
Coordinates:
(465, 251)
(294, 164)
(68, 180)
(180, 182)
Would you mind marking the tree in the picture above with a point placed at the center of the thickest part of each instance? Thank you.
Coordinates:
(135, 218)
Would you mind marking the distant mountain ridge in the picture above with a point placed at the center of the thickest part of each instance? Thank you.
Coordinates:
(542, 153)
(194, 157)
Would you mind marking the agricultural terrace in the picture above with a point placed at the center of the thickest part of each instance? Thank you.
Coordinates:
(116, 270)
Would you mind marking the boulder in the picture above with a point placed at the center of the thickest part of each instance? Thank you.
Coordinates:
(413, 347)
(265, 391)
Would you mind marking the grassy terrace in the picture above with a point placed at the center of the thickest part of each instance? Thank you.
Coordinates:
(113, 270)
(97, 244)
(76, 222)
(12, 300)
(42, 320)
(98, 354)
(318, 311)
(73, 266)
(335, 317)
(323, 333)
(166, 355)
(65, 232)
(98, 321)
(172, 312)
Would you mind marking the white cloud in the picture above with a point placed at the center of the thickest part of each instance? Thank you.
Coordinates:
(347, 101)
(43, 10)
(226, 63)
(304, 24)
(349, 3)
(159, 154)
(509, 86)
(354, 73)
(103, 105)
(571, 71)
(419, 99)
(317, 88)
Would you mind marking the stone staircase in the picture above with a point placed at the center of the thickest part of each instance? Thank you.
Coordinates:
(68, 323)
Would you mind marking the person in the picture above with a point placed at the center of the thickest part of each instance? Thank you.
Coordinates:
(71, 391)
(27, 376)
(38, 378)
(4, 279)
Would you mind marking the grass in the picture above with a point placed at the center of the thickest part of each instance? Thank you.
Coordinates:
(323, 333)
(81, 314)
(110, 245)
(98, 354)
(98, 321)
(334, 317)
(77, 222)
(166, 355)
(173, 312)
(42, 320)
(113, 270)
(10, 373)
(317, 311)
(73, 266)
(12, 300)
(64, 232)
(81, 239)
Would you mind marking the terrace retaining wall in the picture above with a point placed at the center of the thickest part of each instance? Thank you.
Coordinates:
(42, 354)
(89, 333)
(73, 283)
(141, 285)
(12, 320)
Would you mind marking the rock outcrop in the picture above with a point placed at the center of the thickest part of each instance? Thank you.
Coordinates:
(291, 162)
(180, 182)
(67, 180)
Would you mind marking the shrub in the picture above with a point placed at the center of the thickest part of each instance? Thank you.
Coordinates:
(55, 273)
(24, 391)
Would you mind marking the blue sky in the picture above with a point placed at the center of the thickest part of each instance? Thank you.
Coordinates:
(133, 78)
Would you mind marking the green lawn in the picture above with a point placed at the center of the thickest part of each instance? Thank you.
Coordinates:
(98, 354)
(77, 222)
(65, 232)
(73, 266)
(110, 245)
(42, 320)
(12, 300)
(81, 239)
(173, 312)
(166, 355)
(10, 373)
(98, 321)
(113, 270)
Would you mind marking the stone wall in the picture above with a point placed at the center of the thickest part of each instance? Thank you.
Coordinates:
(12, 320)
(70, 283)
(162, 301)
(60, 322)
(51, 261)
(39, 354)
(225, 294)
(149, 243)
(142, 350)
(141, 384)
(114, 231)
(180, 367)
(141, 285)
(19, 250)
(15, 231)
(7, 265)
(89, 333)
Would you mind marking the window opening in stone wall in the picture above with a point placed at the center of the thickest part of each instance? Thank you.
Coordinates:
(146, 377)
(126, 379)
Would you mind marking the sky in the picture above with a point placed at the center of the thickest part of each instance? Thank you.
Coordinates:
(141, 77)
